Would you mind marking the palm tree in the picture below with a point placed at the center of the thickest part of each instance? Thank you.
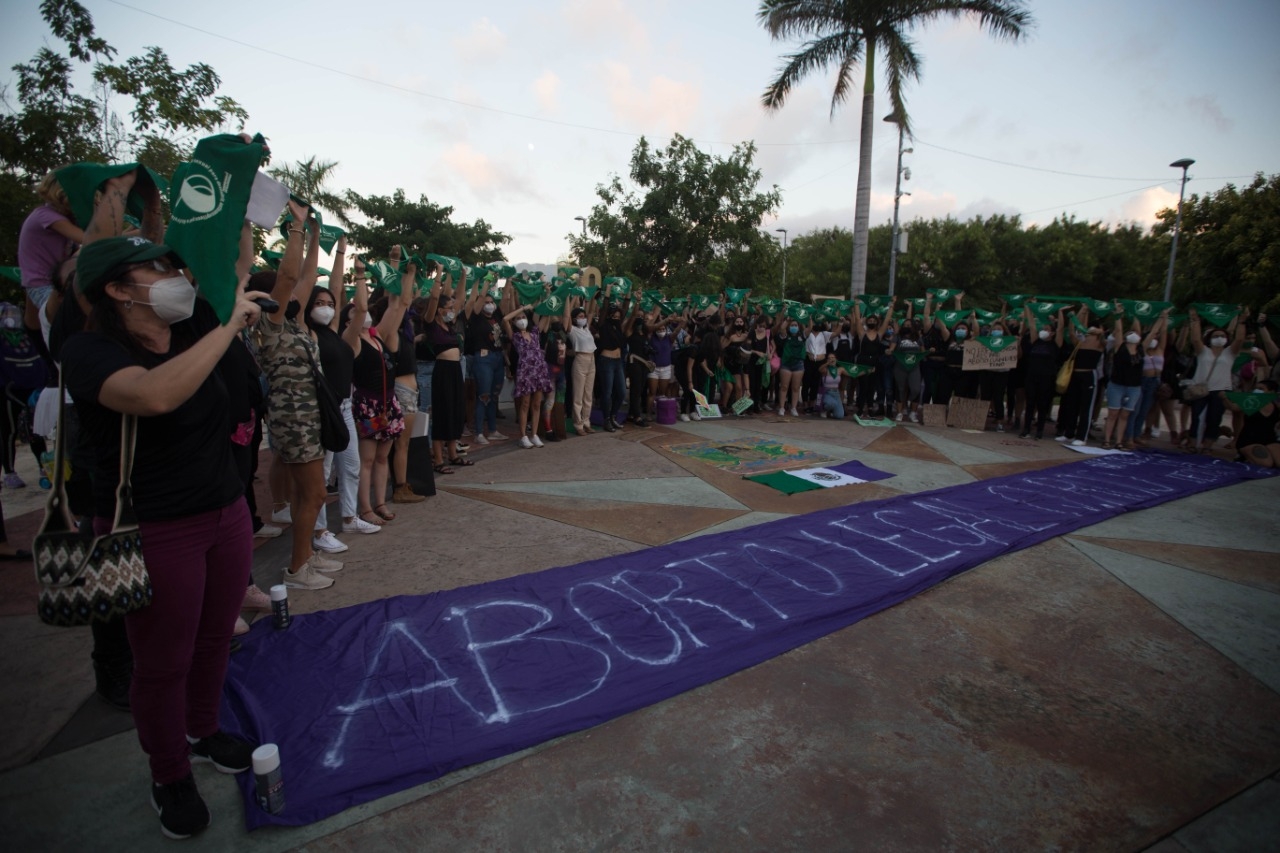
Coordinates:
(847, 33)
(307, 180)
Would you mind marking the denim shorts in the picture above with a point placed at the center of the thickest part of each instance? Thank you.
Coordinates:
(1123, 396)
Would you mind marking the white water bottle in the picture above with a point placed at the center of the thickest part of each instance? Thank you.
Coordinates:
(280, 606)
(267, 779)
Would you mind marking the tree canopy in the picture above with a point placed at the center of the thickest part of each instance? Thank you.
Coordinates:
(394, 220)
(684, 220)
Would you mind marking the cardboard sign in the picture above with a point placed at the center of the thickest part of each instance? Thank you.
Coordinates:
(979, 357)
(967, 413)
(933, 414)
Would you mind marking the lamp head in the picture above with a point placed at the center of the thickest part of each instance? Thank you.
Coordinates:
(1184, 163)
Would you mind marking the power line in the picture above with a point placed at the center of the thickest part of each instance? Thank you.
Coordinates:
(1099, 198)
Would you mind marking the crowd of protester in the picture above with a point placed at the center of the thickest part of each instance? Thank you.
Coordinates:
(110, 309)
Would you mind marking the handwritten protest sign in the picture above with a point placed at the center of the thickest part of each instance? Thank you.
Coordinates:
(980, 355)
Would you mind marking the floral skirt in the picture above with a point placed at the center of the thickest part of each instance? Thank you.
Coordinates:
(376, 417)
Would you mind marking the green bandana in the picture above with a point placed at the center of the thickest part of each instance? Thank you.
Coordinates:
(1141, 309)
(799, 311)
(908, 359)
(986, 316)
(552, 306)
(1099, 307)
(566, 272)
(501, 270)
(1177, 320)
(81, 181)
(1015, 300)
(1250, 403)
(771, 307)
(528, 294)
(14, 274)
(208, 199)
(734, 296)
(941, 293)
(917, 304)
(699, 301)
(1045, 310)
(452, 266)
(950, 318)
(855, 370)
(876, 302)
(384, 276)
(997, 344)
(617, 285)
(1215, 314)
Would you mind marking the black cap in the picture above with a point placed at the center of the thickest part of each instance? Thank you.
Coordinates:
(104, 261)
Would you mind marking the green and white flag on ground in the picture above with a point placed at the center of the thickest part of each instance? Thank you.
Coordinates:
(208, 198)
(1251, 403)
(82, 181)
(1216, 314)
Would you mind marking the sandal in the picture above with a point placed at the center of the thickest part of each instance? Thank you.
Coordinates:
(382, 512)
(1106, 445)
(442, 469)
(460, 462)
(371, 517)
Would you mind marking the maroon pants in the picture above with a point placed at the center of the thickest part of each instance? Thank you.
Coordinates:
(199, 567)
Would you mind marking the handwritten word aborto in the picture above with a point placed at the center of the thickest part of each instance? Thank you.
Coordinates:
(371, 699)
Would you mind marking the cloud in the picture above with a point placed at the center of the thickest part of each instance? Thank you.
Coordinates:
(1142, 208)
(605, 22)
(1207, 108)
(488, 180)
(661, 105)
(545, 89)
(483, 39)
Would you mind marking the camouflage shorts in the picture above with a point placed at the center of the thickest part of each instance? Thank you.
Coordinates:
(408, 398)
(293, 422)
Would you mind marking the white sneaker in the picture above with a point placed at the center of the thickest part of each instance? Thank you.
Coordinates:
(328, 543)
(1060, 438)
(794, 413)
(915, 418)
(899, 417)
(497, 436)
(537, 442)
(359, 525)
(1078, 443)
(782, 411)
(306, 578)
(695, 416)
(321, 563)
(684, 417)
(481, 440)
(282, 516)
(241, 628)
(268, 531)
(526, 443)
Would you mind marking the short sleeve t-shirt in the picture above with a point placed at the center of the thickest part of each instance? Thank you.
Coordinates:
(183, 463)
(40, 248)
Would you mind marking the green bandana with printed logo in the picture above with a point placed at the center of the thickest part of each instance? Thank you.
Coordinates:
(855, 370)
(995, 344)
(1044, 310)
(1015, 300)
(528, 294)
(452, 266)
(208, 198)
(1251, 403)
(799, 311)
(1142, 309)
(1099, 307)
(617, 285)
(908, 359)
(1216, 314)
(552, 306)
(734, 295)
(985, 315)
(700, 302)
(941, 293)
(950, 318)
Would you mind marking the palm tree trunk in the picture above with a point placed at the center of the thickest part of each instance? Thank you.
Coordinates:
(862, 205)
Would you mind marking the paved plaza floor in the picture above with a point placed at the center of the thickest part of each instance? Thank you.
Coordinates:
(1117, 688)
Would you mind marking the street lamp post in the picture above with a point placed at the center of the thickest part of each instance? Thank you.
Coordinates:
(897, 199)
(783, 232)
(1182, 164)
(583, 220)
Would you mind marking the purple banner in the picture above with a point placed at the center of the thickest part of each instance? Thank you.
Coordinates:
(371, 699)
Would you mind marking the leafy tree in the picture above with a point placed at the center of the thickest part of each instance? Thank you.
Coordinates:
(684, 217)
(54, 125)
(421, 225)
(1229, 246)
(848, 34)
(309, 179)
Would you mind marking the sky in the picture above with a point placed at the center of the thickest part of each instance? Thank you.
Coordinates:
(514, 112)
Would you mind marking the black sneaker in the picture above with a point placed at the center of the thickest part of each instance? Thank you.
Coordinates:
(226, 753)
(181, 808)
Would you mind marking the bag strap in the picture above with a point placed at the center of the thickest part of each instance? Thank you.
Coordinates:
(57, 514)
(124, 489)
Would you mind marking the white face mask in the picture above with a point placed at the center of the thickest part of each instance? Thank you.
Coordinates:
(322, 314)
(997, 333)
(448, 316)
(1132, 338)
(1152, 344)
(489, 308)
(580, 322)
(1217, 341)
(1045, 334)
(173, 299)
(368, 320)
(9, 323)
(522, 324)
(662, 333)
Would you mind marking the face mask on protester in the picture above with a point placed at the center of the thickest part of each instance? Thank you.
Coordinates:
(1132, 338)
(1217, 341)
(962, 333)
(997, 333)
(173, 299)
(580, 322)
(522, 324)
(489, 308)
(368, 320)
(322, 314)
(1152, 344)
(795, 330)
(662, 333)
(1045, 334)
(448, 316)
